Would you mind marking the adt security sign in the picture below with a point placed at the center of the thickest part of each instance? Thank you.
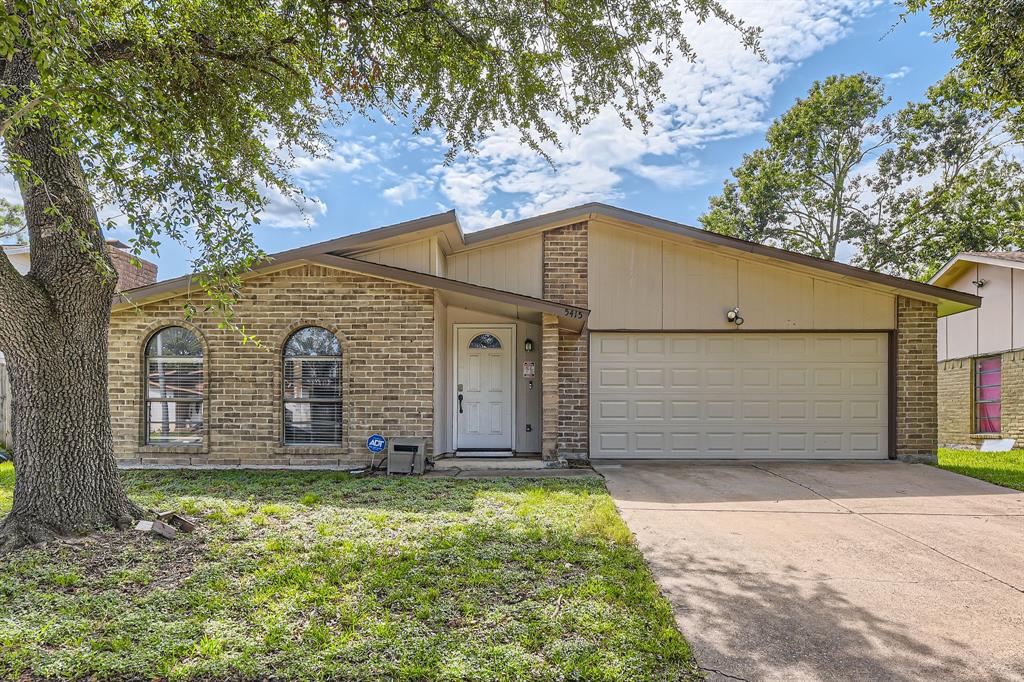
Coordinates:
(376, 443)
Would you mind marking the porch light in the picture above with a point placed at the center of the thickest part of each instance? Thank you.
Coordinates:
(734, 316)
(528, 345)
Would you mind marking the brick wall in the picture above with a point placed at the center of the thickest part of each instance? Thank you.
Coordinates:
(386, 330)
(129, 276)
(565, 281)
(916, 379)
(956, 407)
(1012, 396)
(550, 386)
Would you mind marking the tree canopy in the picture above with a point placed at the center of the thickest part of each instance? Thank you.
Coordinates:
(181, 110)
(799, 191)
(989, 44)
(903, 192)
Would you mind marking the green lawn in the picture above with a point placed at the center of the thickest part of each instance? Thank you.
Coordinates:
(319, 576)
(1002, 468)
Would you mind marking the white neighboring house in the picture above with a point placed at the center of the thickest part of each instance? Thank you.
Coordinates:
(18, 254)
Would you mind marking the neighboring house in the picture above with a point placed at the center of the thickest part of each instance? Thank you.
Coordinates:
(981, 352)
(129, 277)
(591, 332)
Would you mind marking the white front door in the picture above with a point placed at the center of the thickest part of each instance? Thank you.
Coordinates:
(483, 387)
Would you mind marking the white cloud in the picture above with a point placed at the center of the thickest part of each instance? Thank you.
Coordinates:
(725, 93)
(898, 73)
(312, 175)
(404, 191)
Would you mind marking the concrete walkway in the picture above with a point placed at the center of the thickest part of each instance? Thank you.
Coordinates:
(834, 571)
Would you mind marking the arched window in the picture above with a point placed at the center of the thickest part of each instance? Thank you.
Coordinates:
(175, 388)
(312, 388)
(485, 341)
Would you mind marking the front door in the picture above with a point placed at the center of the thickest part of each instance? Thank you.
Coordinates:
(483, 388)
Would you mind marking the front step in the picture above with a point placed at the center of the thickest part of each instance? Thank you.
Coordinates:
(484, 453)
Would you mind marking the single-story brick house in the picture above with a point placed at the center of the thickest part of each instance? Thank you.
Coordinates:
(981, 351)
(590, 332)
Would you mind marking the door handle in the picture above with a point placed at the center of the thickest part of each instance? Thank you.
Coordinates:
(460, 403)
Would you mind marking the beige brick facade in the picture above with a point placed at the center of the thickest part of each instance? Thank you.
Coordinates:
(916, 379)
(550, 387)
(565, 281)
(387, 337)
(956, 401)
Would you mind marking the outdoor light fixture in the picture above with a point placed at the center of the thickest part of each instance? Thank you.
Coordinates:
(528, 345)
(734, 316)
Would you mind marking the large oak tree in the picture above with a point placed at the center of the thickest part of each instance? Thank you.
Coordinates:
(173, 114)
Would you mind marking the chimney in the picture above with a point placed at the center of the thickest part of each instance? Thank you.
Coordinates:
(129, 276)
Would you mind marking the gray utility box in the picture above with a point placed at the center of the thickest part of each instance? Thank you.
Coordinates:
(406, 455)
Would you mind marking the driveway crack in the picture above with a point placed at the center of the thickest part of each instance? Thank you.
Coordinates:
(723, 674)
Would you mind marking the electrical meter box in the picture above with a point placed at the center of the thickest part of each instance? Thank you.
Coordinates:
(406, 455)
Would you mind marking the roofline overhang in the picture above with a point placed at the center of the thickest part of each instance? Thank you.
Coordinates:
(951, 264)
(571, 318)
(948, 301)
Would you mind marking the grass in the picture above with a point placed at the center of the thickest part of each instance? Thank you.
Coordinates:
(1001, 468)
(314, 576)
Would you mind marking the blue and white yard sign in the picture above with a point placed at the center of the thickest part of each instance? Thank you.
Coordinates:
(376, 443)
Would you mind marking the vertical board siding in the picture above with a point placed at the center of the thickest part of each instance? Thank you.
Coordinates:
(642, 282)
(962, 328)
(626, 281)
(416, 256)
(515, 266)
(773, 298)
(697, 276)
(995, 323)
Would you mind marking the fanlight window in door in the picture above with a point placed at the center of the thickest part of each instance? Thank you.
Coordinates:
(485, 341)
(175, 388)
(312, 388)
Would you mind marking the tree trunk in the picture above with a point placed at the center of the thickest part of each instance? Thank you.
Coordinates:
(53, 331)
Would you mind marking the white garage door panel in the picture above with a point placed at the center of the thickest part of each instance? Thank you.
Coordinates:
(739, 395)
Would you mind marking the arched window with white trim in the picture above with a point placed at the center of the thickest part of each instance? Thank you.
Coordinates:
(175, 388)
(312, 388)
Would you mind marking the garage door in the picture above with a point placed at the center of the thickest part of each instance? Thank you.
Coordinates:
(732, 395)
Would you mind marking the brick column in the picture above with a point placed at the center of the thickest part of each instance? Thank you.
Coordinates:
(565, 281)
(916, 381)
(549, 387)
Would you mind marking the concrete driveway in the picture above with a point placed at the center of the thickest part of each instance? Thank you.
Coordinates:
(833, 571)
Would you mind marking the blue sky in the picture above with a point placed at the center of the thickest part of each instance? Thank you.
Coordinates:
(716, 110)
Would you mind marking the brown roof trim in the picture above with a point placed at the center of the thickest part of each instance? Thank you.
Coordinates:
(374, 235)
(575, 318)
